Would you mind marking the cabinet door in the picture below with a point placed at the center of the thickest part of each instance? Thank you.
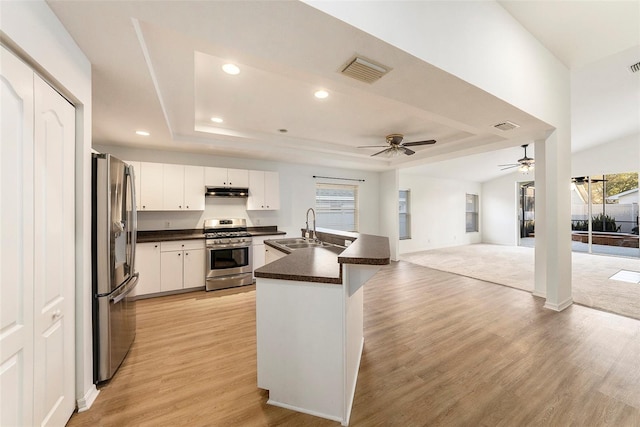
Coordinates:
(173, 187)
(151, 189)
(171, 271)
(136, 180)
(148, 266)
(258, 255)
(271, 254)
(271, 190)
(194, 274)
(194, 188)
(256, 191)
(216, 177)
(238, 178)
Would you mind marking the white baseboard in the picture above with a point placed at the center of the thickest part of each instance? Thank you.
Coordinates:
(559, 307)
(85, 402)
(304, 410)
(539, 294)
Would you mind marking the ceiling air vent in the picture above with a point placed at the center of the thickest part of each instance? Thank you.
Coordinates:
(506, 125)
(364, 70)
(635, 67)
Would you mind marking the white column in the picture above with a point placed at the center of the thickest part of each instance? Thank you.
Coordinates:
(553, 225)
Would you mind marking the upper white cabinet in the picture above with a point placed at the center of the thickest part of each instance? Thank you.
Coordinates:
(183, 188)
(151, 187)
(165, 187)
(264, 190)
(173, 187)
(194, 188)
(223, 177)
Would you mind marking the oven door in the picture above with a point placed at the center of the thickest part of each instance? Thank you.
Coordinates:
(231, 259)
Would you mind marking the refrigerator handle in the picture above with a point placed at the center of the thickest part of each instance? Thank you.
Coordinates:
(134, 216)
(128, 288)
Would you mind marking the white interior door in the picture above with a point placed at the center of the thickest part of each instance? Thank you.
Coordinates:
(16, 250)
(54, 253)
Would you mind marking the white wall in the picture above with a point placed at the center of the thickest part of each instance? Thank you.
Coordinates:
(617, 156)
(438, 212)
(35, 32)
(499, 210)
(389, 209)
(297, 192)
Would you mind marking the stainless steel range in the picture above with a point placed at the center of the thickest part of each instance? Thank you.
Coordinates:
(229, 253)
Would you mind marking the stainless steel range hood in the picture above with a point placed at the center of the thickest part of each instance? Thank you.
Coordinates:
(226, 192)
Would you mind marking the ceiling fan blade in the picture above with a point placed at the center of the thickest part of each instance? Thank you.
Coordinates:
(380, 152)
(510, 164)
(413, 144)
(372, 146)
(408, 152)
(509, 167)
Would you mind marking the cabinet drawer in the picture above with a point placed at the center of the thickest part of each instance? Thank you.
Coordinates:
(182, 245)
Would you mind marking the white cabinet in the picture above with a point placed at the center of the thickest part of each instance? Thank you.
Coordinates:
(223, 177)
(194, 188)
(167, 187)
(271, 254)
(151, 186)
(193, 270)
(148, 266)
(258, 248)
(173, 187)
(264, 190)
(183, 188)
(182, 265)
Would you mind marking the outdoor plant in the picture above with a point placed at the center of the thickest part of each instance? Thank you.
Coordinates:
(600, 222)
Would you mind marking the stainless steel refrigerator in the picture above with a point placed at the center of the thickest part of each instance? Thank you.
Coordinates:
(114, 223)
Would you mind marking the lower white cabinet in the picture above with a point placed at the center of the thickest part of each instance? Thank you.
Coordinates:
(258, 248)
(271, 254)
(181, 265)
(170, 266)
(148, 267)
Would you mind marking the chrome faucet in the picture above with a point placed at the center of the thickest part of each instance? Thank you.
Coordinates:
(306, 234)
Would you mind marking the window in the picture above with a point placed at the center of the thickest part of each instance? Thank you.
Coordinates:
(337, 206)
(471, 212)
(405, 215)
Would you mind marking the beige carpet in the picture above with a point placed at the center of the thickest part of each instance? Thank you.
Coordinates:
(513, 266)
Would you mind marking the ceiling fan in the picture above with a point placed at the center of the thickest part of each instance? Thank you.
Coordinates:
(524, 164)
(396, 146)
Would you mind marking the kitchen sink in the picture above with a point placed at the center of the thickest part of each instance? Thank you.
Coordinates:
(303, 245)
(287, 242)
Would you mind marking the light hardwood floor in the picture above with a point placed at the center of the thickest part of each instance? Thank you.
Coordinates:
(440, 349)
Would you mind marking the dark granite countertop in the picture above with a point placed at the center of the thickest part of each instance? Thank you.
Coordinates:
(189, 234)
(322, 264)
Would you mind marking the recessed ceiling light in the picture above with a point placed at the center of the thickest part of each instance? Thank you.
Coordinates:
(216, 120)
(231, 69)
(321, 94)
(142, 133)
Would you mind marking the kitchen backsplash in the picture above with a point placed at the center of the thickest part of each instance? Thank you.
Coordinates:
(214, 208)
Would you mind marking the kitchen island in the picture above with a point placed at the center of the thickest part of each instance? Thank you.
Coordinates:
(309, 320)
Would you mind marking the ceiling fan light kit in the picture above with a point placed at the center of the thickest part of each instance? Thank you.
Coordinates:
(524, 164)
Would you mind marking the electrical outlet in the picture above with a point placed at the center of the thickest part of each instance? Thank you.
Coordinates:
(167, 224)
